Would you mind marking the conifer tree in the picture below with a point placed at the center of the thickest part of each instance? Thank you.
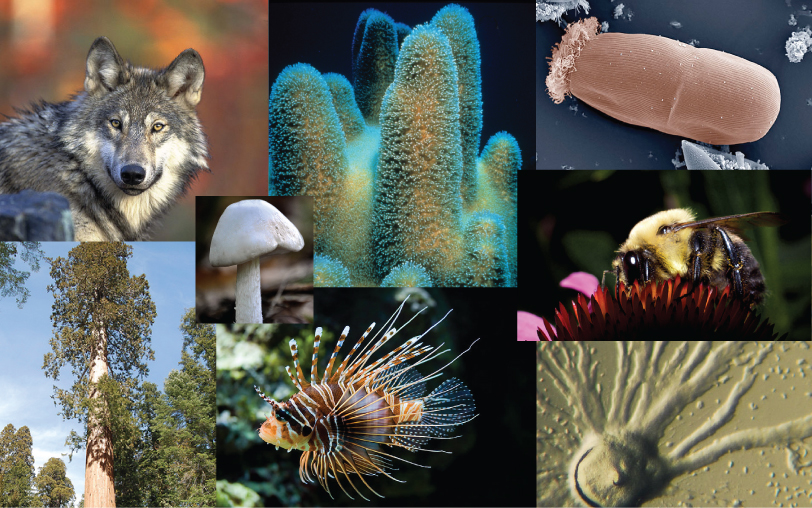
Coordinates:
(16, 466)
(102, 320)
(12, 280)
(186, 418)
(54, 488)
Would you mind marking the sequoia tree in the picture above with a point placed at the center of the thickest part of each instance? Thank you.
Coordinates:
(54, 488)
(16, 466)
(102, 320)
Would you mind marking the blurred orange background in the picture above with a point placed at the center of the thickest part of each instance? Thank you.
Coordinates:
(44, 45)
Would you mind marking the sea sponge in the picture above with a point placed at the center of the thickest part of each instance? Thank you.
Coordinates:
(656, 82)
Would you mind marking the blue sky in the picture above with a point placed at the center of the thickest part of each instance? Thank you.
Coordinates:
(25, 334)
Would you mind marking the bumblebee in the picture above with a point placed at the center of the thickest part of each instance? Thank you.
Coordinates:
(710, 251)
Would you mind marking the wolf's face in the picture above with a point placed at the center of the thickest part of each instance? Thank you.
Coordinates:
(138, 144)
(145, 126)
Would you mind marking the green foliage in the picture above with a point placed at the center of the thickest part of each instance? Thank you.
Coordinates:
(164, 450)
(249, 355)
(16, 466)
(236, 494)
(11, 279)
(54, 488)
(185, 420)
(93, 294)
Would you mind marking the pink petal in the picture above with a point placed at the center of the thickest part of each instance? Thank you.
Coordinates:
(582, 282)
(528, 326)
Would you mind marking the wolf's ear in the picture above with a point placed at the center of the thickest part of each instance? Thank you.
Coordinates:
(105, 69)
(183, 79)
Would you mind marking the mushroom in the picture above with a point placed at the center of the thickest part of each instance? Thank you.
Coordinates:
(246, 231)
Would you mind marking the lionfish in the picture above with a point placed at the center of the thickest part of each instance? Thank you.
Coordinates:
(344, 420)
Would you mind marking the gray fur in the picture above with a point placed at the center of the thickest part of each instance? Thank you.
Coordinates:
(122, 152)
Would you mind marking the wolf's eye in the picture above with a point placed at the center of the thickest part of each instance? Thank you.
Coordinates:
(115, 123)
(158, 127)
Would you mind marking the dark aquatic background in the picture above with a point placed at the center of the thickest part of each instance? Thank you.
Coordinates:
(756, 30)
(321, 35)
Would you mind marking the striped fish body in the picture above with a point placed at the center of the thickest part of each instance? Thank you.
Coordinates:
(346, 423)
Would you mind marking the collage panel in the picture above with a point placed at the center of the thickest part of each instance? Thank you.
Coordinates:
(672, 85)
(254, 259)
(639, 423)
(108, 376)
(436, 384)
(169, 104)
(667, 255)
(410, 142)
(108, 380)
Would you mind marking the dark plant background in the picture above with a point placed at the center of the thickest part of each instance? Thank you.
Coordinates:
(490, 462)
(576, 220)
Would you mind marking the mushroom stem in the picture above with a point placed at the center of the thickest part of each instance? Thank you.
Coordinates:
(249, 294)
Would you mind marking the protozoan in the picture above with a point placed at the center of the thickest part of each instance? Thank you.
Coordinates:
(667, 85)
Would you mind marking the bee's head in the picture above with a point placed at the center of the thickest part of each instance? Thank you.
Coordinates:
(282, 429)
(633, 265)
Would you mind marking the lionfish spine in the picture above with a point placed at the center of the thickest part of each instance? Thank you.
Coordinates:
(344, 421)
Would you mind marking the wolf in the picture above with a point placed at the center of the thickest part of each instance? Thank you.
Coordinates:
(122, 151)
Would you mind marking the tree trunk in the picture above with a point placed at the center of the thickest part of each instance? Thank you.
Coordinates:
(99, 491)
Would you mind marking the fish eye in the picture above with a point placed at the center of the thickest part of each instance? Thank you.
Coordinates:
(631, 265)
(281, 415)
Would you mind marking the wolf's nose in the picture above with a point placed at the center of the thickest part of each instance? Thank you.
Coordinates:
(132, 174)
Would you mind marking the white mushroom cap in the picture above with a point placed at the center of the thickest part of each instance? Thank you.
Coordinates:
(249, 229)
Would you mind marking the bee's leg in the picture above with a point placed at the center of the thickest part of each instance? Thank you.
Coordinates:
(645, 271)
(697, 247)
(733, 260)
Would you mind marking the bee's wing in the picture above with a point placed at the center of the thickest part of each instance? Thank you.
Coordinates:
(737, 223)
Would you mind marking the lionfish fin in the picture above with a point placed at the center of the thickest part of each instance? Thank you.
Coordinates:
(293, 378)
(340, 343)
(447, 406)
(365, 356)
(390, 331)
(294, 352)
(338, 375)
(264, 397)
(314, 377)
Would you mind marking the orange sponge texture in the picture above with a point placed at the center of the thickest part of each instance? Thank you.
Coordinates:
(656, 82)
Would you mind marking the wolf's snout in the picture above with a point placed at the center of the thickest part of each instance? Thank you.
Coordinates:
(133, 174)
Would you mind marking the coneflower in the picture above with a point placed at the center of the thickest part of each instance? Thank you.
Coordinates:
(673, 309)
